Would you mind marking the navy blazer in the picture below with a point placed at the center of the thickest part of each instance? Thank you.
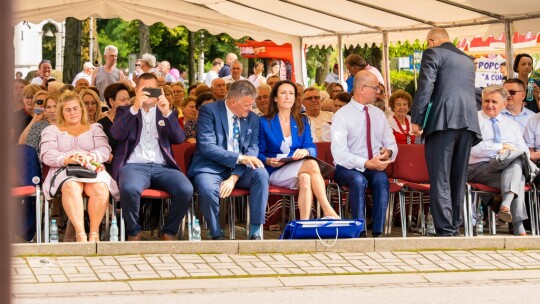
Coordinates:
(127, 128)
(271, 137)
(211, 154)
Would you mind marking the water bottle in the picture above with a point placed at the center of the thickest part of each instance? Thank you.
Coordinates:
(430, 227)
(113, 231)
(479, 227)
(530, 90)
(53, 232)
(196, 233)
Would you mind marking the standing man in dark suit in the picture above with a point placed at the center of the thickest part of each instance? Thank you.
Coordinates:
(447, 81)
(143, 159)
(226, 157)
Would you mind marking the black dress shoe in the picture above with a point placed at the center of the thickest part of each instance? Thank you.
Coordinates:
(363, 234)
(255, 237)
(218, 238)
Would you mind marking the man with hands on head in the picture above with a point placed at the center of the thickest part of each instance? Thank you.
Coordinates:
(363, 145)
(143, 159)
(226, 157)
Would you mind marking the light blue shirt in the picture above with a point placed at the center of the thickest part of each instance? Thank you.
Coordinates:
(487, 148)
(522, 118)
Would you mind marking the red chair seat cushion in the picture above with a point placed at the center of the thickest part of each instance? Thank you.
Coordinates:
(23, 191)
(156, 194)
(275, 190)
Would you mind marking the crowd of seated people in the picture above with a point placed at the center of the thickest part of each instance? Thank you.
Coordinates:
(131, 133)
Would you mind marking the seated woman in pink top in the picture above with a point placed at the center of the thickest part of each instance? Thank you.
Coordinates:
(72, 141)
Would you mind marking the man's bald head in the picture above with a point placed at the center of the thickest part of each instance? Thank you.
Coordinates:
(437, 36)
(366, 87)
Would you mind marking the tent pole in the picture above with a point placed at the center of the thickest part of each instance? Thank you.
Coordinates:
(386, 64)
(340, 58)
(509, 48)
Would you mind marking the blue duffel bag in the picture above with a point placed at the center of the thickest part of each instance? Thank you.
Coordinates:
(322, 229)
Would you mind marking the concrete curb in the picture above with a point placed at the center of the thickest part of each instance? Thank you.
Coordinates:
(278, 246)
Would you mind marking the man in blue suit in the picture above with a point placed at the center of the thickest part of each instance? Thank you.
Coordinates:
(226, 157)
(143, 159)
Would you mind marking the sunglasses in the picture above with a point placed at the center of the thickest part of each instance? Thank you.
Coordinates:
(312, 98)
(512, 92)
(40, 101)
(137, 65)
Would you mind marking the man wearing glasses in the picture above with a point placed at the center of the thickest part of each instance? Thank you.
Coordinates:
(363, 145)
(450, 127)
(311, 100)
(515, 108)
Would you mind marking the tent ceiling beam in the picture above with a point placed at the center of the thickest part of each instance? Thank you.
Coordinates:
(333, 15)
(472, 9)
(279, 16)
(382, 9)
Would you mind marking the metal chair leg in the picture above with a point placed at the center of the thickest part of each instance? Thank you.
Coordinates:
(39, 205)
(403, 215)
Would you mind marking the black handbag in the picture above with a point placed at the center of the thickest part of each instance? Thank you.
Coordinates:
(80, 171)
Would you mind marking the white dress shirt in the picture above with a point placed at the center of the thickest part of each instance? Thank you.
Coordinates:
(487, 148)
(230, 121)
(147, 150)
(349, 145)
(532, 133)
(229, 79)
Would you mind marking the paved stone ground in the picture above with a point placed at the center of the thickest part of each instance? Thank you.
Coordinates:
(36, 269)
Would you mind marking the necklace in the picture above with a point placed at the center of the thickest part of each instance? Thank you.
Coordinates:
(407, 129)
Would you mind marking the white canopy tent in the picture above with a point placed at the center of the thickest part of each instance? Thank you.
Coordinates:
(307, 22)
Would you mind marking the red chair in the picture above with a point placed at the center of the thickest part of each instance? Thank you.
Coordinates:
(477, 188)
(410, 169)
(183, 154)
(26, 191)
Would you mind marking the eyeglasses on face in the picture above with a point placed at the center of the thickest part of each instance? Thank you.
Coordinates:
(40, 101)
(310, 98)
(137, 64)
(376, 88)
(513, 92)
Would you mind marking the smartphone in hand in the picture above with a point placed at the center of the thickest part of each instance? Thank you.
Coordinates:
(153, 92)
(39, 111)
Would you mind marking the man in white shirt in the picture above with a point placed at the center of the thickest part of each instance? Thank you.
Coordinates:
(363, 145)
(236, 72)
(311, 100)
(332, 76)
(515, 109)
(500, 137)
(217, 64)
(165, 68)
(144, 159)
(86, 73)
(44, 72)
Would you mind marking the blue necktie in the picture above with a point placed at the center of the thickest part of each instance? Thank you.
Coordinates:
(496, 130)
(236, 135)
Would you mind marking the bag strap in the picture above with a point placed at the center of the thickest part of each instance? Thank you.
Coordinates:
(327, 244)
(54, 178)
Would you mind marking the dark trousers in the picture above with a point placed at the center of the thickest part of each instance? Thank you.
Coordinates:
(447, 158)
(208, 189)
(135, 178)
(358, 182)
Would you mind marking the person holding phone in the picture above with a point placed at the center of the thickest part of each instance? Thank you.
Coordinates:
(284, 125)
(143, 158)
(38, 113)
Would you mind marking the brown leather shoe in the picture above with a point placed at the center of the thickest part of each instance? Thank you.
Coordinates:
(167, 237)
(134, 238)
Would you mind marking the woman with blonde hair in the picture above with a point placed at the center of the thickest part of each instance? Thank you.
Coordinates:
(74, 141)
(92, 103)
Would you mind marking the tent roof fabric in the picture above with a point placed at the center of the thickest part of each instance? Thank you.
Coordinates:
(317, 22)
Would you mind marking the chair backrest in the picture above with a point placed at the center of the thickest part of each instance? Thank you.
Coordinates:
(410, 164)
(28, 165)
(183, 154)
(323, 149)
